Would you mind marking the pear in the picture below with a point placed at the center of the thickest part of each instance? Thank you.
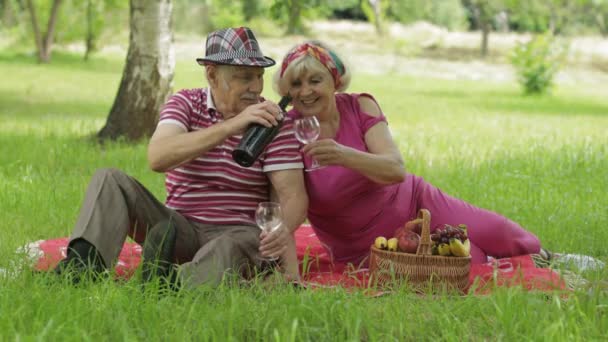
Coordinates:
(444, 249)
(380, 242)
(392, 244)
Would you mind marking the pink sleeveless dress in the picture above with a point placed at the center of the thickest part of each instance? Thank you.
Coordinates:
(348, 211)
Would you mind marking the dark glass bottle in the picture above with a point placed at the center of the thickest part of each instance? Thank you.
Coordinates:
(256, 138)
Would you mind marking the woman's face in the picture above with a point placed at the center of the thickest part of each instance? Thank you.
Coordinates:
(312, 93)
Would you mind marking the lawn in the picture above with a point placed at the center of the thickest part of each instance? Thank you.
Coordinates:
(542, 162)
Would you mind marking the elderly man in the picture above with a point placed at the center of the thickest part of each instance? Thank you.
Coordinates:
(206, 225)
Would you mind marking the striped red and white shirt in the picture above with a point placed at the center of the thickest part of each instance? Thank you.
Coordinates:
(212, 188)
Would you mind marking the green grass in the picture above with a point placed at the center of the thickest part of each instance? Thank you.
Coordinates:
(540, 161)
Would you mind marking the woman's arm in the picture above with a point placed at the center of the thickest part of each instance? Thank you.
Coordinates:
(382, 164)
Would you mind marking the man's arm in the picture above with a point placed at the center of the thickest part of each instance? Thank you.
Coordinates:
(288, 189)
(171, 145)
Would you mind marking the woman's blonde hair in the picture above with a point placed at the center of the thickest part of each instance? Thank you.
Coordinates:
(308, 63)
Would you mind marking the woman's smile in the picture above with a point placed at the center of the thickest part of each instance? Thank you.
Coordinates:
(308, 102)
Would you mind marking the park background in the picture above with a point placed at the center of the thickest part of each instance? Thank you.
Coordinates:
(516, 124)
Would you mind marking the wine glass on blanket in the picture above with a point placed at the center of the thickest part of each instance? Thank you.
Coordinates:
(307, 130)
(268, 216)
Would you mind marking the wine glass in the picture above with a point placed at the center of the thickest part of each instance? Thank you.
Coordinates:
(307, 130)
(269, 217)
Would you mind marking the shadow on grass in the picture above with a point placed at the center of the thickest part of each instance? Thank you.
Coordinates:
(63, 60)
(19, 105)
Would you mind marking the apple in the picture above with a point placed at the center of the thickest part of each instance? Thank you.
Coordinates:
(409, 241)
(399, 231)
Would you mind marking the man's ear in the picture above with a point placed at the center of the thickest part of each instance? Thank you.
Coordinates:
(212, 76)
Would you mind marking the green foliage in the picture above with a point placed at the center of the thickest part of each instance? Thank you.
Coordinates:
(559, 16)
(529, 16)
(446, 13)
(226, 14)
(599, 9)
(109, 18)
(345, 9)
(192, 16)
(200, 17)
(251, 9)
(292, 14)
(368, 11)
(537, 61)
(98, 15)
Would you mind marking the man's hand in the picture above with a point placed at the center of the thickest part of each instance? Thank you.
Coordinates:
(265, 113)
(274, 244)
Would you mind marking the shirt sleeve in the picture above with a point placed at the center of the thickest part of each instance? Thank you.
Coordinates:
(177, 110)
(367, 120)
(284, 151)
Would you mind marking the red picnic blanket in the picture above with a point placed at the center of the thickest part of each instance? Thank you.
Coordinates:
(318, 270)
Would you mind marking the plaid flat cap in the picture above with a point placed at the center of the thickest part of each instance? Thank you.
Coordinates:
(234, 46)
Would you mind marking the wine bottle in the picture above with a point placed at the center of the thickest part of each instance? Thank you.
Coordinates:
(256, 138)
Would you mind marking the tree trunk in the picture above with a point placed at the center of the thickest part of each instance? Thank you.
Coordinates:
(602, 24)
(485, 36)
(89, 35)
(47, 43)
(36, 28)
(147, 78)
(375, 4)
(44, 42)
(294, 26)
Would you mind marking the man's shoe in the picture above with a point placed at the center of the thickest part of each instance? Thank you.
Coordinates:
(159, 248)
(83, 261)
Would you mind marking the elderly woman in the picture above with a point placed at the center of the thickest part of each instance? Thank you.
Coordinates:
(362, 190)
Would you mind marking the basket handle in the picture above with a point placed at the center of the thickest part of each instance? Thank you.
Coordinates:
(424, 248)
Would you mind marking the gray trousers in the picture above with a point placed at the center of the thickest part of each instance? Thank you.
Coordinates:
(117, 205)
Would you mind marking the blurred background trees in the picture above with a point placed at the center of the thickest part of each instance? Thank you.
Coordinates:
(44, 40)
(95, 23)
(85, 26)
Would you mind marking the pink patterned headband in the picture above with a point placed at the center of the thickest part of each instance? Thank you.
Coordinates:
(326, 57)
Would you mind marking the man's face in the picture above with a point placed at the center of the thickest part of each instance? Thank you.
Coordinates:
(235, 88)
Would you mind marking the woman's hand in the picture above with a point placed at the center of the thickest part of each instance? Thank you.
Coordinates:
(327, 152)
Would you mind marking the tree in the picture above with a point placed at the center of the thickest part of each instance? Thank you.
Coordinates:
(90, 36)
(251, 9)
(484, 12)
(292, 12)
(95, 12)
(147, 78)
(600, 8)
(7, 19)
(294, 24)
(44, 42)
(375, 11)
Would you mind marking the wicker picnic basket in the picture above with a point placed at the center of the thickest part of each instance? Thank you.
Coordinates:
(422, 271)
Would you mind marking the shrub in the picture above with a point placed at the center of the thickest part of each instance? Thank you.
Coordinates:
(537, 61)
